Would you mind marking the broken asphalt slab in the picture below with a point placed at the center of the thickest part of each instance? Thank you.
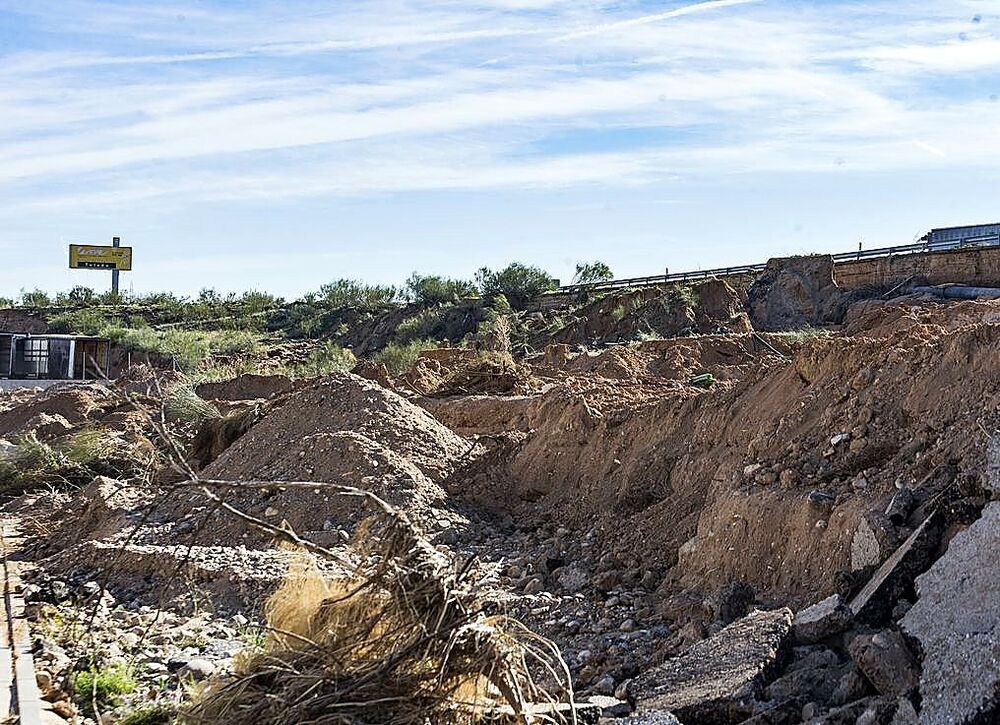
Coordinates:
(956, 621)
(717, 681)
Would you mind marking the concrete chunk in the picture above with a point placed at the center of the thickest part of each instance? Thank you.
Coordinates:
(717, 681)
(956, 621)
(875, 601)
(886, 661)
(823, 619)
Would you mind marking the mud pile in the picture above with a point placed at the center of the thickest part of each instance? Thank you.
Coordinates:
(350, 431)
(795, 292)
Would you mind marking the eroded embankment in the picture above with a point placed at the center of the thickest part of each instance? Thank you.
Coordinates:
(764, 478)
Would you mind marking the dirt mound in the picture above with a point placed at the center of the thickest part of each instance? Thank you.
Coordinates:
(246, 387)
(345, 430)
(76, 404)
(795, 292)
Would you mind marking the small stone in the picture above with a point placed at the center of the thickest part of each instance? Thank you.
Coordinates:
(270, 512)
(822, 500)
(197, 669)
(627, 626)
(750, 470)
(605, 685)
(788, 478)
(610, 706)
(839, 439)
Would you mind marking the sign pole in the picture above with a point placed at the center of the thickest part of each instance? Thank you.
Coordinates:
(115, 242)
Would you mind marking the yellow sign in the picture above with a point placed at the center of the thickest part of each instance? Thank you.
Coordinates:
(88, 256)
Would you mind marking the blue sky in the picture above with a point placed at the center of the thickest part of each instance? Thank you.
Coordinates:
(279, 145)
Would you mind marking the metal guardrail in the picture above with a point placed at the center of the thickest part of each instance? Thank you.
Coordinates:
(652, 281)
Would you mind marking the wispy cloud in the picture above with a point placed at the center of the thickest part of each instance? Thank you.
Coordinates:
(312, 99)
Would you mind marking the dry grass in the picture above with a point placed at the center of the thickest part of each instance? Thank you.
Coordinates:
(400, 642)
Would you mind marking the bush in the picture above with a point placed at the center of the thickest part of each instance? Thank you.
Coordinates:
(421, 325)
(234, 342)
(325, 359)
(399, 358)
(517, 282)
(81, 322)
(436, 290)
(105, 685)
(351, 293)
(590, 272)
(35, 298)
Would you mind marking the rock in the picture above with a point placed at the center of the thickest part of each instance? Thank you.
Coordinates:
(788, 478)
(605, 685)
(572, 579)
(851, 686)
(839, 439)
(751, 470)
(900, 506)
(197, 669)
(734, 601)
(886, 661)
(717, 680)
(610, 706)
(815, 684)
(876, 599)
(607, 580)
(874, 540)
(868, 711)
(822, 500)
(956, 621)
(823, 619)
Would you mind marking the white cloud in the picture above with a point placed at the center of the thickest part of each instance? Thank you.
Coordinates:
(395, 95)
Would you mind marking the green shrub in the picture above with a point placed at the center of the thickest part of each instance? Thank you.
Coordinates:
(328, 358)
(400, 358)
(106, 685)
(519, 283)
(590, 272)
(436, 290)
(421, 325)
(79, 322)
(234, 342)
(352, 293)
(35, 298)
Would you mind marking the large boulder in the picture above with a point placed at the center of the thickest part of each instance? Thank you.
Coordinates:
(956, 621)
(717, 681)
